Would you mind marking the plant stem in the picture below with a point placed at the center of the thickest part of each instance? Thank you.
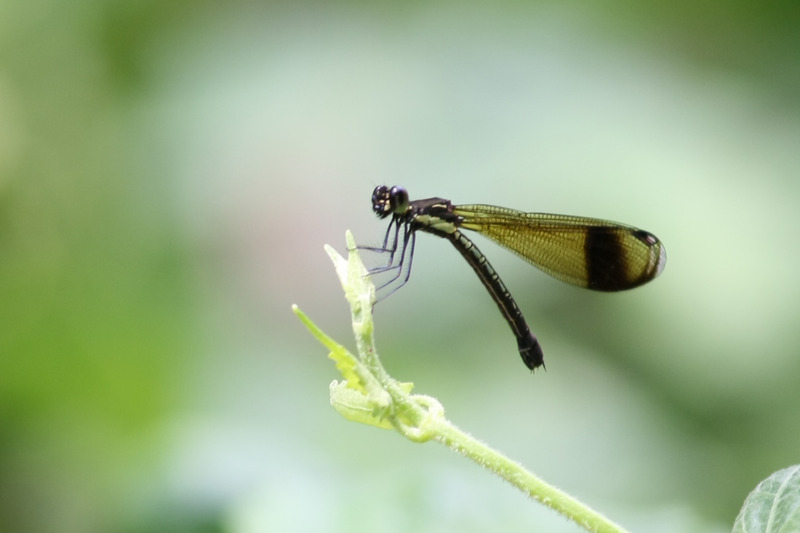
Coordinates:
(370, 395)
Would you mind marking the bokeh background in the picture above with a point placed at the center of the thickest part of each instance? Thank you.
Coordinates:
(169, 172)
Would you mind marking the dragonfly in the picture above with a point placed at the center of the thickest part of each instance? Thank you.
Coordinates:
(586, 252)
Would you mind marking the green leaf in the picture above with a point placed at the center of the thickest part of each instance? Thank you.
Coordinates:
(357, 376)
(355, 406)
(773, 506)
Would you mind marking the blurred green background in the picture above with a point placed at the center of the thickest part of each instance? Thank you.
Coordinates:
(169, 172)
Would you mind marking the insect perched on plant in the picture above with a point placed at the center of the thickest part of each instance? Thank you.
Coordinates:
(587, 252)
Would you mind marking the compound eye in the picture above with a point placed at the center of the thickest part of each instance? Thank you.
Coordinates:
(381, 201)
(398, 197)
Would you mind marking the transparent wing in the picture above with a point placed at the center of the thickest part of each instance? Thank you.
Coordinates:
(587, 252)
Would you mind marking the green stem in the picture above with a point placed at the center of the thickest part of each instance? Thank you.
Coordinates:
(517, 475)
(370, 395)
